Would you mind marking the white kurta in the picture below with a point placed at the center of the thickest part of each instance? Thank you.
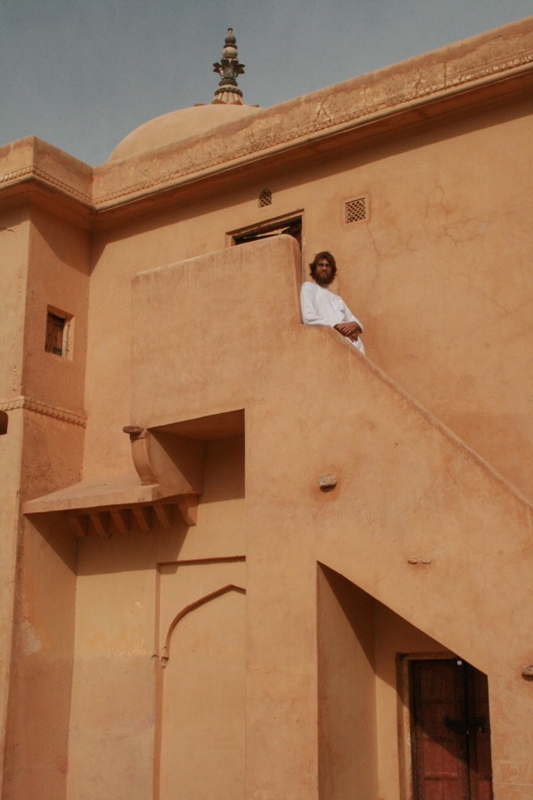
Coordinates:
(322, 307)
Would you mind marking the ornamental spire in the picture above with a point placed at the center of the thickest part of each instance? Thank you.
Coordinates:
(228, 69)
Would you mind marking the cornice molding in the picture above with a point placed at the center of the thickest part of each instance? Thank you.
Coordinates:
(199, 159)
(38, 407)
(36, 172)
(491, 69)
(494, 59)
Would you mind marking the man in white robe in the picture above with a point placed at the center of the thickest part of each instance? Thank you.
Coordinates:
(320, 306)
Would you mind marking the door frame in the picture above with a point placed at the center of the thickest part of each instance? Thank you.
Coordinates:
(405, 745)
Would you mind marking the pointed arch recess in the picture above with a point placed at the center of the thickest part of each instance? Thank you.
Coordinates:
(230, 587)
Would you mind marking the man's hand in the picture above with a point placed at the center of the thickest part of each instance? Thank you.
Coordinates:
(349, 329)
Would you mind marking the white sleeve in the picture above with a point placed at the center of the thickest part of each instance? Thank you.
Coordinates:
(310, 315)
(350, 317)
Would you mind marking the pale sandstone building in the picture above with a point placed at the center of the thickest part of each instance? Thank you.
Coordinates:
(186, 613)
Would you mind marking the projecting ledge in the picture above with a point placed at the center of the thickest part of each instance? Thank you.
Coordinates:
(118, 499)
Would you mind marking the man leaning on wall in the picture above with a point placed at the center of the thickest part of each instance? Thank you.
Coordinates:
(320, 306)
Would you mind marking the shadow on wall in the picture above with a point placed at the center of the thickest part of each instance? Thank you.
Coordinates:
(368, 705)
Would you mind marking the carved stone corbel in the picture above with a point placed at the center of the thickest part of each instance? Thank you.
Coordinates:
(140, 453)
(176, 463)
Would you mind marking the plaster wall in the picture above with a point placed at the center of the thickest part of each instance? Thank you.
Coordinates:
(346, 690)
(440, 276)
(203, 694)
(14, 241)
(416, 519)
(10, 460)
(54, 269)
(361, 693)
(118, 256)
(43, 625)
(394, 636)
(130, 590)
(58, 277)
(14, 238)
(36, 755)
(437, 273)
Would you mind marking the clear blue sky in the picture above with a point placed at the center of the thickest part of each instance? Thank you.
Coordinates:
(82, 74)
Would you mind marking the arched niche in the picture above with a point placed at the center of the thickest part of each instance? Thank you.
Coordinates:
(203, 701)
(4, 419)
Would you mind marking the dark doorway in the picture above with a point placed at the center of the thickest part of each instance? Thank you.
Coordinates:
(450, 731)
(292, 226)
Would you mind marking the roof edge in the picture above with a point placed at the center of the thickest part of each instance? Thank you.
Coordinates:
(501, 58)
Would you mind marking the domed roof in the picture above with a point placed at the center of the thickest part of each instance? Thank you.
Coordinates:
(178, 125)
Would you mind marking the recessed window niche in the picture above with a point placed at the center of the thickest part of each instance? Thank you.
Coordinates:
(58, 333)
(288, 225)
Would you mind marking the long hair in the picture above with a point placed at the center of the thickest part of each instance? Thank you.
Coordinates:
(328, 257)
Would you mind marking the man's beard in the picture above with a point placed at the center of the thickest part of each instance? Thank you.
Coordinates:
(324, 281)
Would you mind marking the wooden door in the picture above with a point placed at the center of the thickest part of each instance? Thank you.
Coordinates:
(450, 731)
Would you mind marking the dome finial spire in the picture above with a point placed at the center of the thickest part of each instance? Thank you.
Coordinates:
(228, 69)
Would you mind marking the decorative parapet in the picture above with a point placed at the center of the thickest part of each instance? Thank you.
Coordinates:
(354, 104)
(38, 407)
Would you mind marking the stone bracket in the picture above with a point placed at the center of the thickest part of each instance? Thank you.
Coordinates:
(171, 470)
(104, 522)
(176, 463)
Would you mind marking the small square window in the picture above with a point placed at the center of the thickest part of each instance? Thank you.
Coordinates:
(57, 332)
